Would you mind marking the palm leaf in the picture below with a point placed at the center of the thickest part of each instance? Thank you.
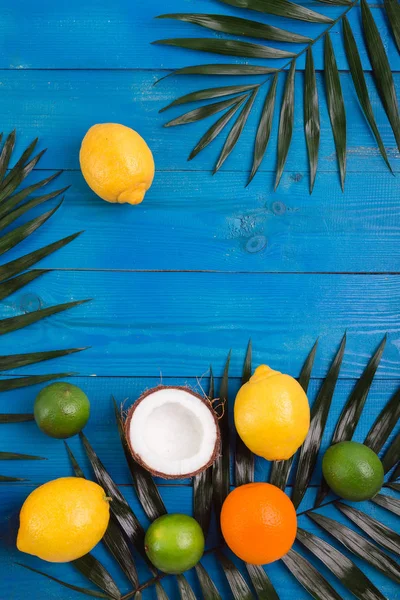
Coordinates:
(281, 8)
(202, 113)
(209, 94)
(14, 323)
(342, 567)
(238, 26)
(391, 456)
(388, 502)
(308, 576)
(393, 486)
(251, 28)
(25, 262)
(396, 473)
(384, 424)
(216, 129)
(357, 74)
(145, 488)
(4, 479)
(77, 469)
(65, 584)
(6, 385)
(261, 583)
(119, 507)
(185, 591)
(13, 201)
(264, 128)
(352, 410)
(311, 116)
(221, 467)
(381, 534)
(393, 14)
(17, 418)
(203, 485)
(13, 285)
(15, 361)
(337, 113)
(280, 469)
(361, 547)
(244, 458)
(93, 570)
(17, 176)
(239, 588)
(319, 415)
(381, 69)
(226, 47)
(113, 538)
(236, 131)
(216, 69)
(161, 595)
(12, 275)
(286, 122)
(12, 215)
(16, 456)
(17, 235)
(207, 585)
(6, 153)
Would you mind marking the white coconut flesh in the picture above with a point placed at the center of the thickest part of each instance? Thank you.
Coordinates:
(173, 432)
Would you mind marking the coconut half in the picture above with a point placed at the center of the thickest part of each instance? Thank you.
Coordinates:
(173, 432)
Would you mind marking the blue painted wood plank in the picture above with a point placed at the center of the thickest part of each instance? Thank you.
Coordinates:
(17, 584)
(234, 228)
(102, 432)
(98, 35)
(177, 323)
(60, 106)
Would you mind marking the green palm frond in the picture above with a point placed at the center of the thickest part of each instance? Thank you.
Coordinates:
(233, 27)
(367, 539)
(16, 202)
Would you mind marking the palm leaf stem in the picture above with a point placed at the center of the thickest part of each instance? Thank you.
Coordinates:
(315, 40)
(154, 580)
(312, 43)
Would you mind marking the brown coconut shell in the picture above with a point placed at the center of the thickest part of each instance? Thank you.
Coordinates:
(138, 458)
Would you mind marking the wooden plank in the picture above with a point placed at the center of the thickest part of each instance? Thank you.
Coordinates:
(102, 432)
(177, 323)
(235, 228)
(58, 112)
(98, 35)
(17, 583)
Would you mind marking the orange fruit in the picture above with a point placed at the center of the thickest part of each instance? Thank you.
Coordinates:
(259, 523)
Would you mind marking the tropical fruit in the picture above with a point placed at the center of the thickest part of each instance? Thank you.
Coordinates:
(174, 543)
(353, 471)
(61, 410)
(117, 163)
(63, 519)
(259, 523)
(172, 432)
(272, 414)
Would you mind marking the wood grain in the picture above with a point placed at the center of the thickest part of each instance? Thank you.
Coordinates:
(99, 35)
(102, 432)
(234, 228)
(177, 323)
(60, 106)
(290, 267)
(18, 584)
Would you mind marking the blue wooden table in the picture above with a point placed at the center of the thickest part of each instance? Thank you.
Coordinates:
(198, 268)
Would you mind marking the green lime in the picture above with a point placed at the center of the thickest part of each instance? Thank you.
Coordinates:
(174, 543)
(353, 471)
(61, 410)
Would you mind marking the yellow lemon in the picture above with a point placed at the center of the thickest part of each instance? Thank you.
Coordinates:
(117, 163)
(63, 519)
(272, 414)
